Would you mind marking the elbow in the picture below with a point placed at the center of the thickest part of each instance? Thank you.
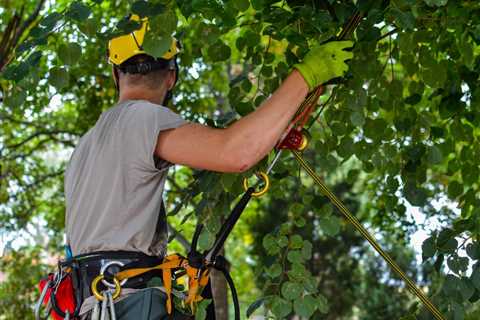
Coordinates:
(239, 162)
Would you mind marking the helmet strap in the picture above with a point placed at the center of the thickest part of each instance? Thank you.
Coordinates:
(169, 95)
(116, 79)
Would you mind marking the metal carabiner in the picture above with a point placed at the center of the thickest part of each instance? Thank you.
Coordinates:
(98, 295)
(105, 267)
(113, 315)
(39, 303)
(266, 184)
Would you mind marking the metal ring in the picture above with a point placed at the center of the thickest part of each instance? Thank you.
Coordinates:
(105, 267)
(304, 143)
(265, 188)
(98, 295)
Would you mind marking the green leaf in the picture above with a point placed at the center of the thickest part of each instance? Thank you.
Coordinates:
(78, 11)
(415, 195)
(473, 250)
(357, 118)
(297, 272)
(307, 250)
(270, 244)
(455, 189)
(296, 242)
(274, 270)
(16, 72)
(305, 306)
(466, 288)
(281, 307)
(282, 241)
(89, 27)
(50, 21)
(446, 243)
(206, 240)
(458, 311)
(434, 155)
(164, 24)
(437, 3)
(241, 5)
(15, 98)
(330, 225)
(406, 20)
(58, 77)
(429, 248)
(413, 99)
(295, 256)
(69, 53)
(141, 8)
(219, 51)
(156, 45)
(291, 290)
(201, 310)
(254, 306)
(322, 304)
(457, 264)
(475, 277)
(147, 9)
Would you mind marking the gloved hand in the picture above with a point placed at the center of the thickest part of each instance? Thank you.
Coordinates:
(325, 62)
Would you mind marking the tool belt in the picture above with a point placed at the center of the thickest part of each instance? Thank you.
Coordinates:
(108, 263)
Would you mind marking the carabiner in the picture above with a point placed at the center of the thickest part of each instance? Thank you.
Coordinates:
(38, 305)
(266, 184)
(98, 295)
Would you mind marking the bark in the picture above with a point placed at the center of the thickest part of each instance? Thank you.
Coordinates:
(15, 31)
(220, 293)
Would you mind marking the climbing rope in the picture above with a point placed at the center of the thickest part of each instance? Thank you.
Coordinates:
(364, 232)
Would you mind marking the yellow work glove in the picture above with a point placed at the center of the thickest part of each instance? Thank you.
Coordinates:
(325, 62)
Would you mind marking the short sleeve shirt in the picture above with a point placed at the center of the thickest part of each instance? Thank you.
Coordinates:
(114, 183)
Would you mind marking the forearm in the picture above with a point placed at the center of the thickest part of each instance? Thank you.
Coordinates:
(255, 135)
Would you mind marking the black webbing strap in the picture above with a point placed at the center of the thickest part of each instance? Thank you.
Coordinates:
(228, 225)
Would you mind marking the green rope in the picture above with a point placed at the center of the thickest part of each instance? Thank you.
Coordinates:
(364, 232)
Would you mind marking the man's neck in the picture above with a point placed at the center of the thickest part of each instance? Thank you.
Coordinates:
(139, 94)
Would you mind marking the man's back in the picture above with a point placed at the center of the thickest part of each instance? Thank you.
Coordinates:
(114, 185)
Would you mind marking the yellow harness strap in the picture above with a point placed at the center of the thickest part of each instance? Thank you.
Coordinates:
(197, 278)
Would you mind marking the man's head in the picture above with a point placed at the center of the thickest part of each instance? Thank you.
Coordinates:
(145, 75)
(139, 75)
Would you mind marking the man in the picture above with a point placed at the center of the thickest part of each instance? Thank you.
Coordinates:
(115, 178)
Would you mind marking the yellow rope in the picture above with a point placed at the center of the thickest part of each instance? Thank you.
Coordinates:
(364, 232)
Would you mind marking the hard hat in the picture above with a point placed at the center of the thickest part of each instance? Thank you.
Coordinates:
(122, 48)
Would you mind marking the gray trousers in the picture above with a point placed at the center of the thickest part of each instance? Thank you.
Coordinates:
(148, 304)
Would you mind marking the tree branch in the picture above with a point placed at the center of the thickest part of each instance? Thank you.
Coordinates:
(27, 23)
(179, 237)
(40, 133)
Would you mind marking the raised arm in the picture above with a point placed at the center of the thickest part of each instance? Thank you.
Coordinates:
(244, 143)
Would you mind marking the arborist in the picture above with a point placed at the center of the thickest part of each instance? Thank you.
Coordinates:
(115, 178)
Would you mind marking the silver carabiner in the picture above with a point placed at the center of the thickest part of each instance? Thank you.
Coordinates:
(105, 267)
(96, 311)
(104, 314)
(113, 315)
(39, 303)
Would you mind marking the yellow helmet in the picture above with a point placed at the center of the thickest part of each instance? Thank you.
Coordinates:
(122, 48)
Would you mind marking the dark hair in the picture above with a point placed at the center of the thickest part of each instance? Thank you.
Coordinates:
(144, 64)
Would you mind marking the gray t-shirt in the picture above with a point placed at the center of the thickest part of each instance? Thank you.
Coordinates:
(114, 184)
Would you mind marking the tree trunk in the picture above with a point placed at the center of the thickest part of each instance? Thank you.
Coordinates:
(220, 293)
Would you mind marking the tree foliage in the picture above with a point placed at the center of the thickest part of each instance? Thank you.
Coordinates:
(400, 131)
